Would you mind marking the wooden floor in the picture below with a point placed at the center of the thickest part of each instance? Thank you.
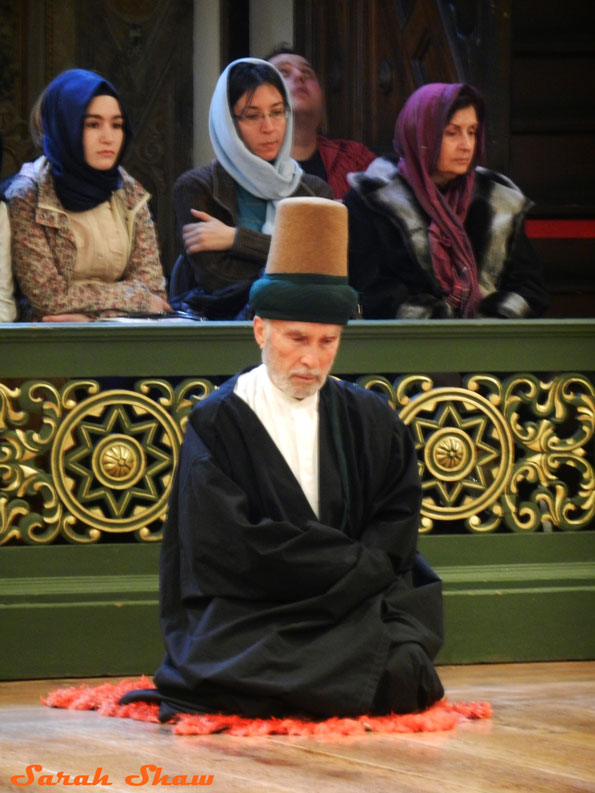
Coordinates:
(541, 740)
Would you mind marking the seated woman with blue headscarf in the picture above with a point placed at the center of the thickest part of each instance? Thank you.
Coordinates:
(225, 211)
(83, 240)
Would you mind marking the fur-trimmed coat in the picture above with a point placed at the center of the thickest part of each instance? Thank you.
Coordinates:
(390, 264)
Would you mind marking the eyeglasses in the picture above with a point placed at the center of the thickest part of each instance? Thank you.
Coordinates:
(254, 119)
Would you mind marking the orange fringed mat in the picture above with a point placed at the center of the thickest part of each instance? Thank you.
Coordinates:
(444, 715)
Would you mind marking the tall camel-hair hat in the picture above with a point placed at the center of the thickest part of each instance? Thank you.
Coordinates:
(305, 278)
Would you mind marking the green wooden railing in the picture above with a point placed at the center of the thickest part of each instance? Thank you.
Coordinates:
(92, 415)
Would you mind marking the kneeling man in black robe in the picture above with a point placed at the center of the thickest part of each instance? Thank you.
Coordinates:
(290, 579)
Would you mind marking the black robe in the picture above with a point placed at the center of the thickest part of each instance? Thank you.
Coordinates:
(267, 610)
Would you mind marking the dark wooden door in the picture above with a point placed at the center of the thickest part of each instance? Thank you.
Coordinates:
(370, 55)
(145, 48)
(533, 61)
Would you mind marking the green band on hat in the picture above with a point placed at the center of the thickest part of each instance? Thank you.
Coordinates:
(304, 297)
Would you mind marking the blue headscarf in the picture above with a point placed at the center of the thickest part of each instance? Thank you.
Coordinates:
(65, 102)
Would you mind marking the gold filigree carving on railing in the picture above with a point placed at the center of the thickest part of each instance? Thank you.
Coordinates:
(490, 453)
(76, 461)
(553, 483)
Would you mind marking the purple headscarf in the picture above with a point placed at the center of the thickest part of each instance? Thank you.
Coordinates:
(418, 141)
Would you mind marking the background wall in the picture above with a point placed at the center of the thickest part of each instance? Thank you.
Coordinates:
(271, 21)
(206, 60)
(536, 69)
(144, 47)
(217, 41)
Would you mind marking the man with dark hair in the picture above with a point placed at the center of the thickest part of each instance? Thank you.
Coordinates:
(329, 158)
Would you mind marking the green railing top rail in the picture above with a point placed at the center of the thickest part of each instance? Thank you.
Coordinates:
(222, 348)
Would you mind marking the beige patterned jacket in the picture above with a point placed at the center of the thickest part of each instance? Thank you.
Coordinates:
(44, 250)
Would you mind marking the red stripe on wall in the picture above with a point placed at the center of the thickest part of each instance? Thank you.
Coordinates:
(560, 229)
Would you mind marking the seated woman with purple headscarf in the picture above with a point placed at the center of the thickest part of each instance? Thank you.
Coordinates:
(436, 235)
(83, 240)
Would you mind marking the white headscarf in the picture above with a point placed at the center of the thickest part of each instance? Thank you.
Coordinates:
(269, 180)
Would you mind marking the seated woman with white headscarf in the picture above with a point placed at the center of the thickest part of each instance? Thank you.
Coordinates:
(225, 211)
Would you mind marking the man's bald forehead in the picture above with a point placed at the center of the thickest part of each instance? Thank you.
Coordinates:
(290, 58)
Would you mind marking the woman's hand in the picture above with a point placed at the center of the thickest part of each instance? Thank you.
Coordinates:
(74, 317)
(159, 305)
(208, 235)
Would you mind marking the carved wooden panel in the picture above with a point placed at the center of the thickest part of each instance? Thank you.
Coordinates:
(387, 82)
(553, 117)
(425, 46)
(326, 34)
(370, 55)
(145, 48)
(37, 41)
(494, 453)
